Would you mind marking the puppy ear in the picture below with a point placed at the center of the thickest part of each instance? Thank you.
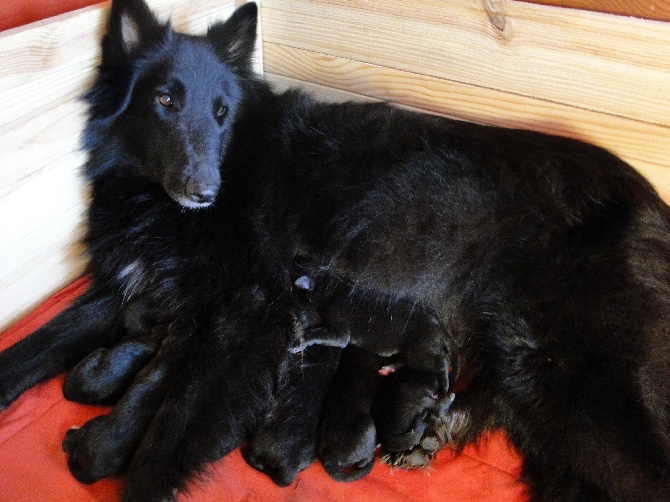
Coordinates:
(234, 39)
(131, 24)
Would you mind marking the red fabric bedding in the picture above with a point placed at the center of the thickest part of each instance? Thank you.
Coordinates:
(33, 466)
(15, 13)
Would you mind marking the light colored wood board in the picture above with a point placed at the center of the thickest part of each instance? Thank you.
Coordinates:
(647, 9)
(51, 271)
(590, 60)
(40, 225)
(659, 176)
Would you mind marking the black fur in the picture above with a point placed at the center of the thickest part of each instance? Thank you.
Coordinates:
(149, 157)
(397, 335)
(347, 435)
(285, 443)
(106, 373)
(546, 259)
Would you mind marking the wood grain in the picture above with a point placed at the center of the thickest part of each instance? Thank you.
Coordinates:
(598, 62)
(647, 9)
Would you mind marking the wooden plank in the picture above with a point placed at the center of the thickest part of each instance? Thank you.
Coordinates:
(44, 68)
(594, 61)
(646, 9)
(645, 146)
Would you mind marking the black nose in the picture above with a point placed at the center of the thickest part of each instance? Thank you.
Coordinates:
(203, 195)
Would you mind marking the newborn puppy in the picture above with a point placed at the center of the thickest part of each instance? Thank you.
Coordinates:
(378, 338)
(104, 375)
(103, 446)
(285, 443)
(347, 435)
(393, 328)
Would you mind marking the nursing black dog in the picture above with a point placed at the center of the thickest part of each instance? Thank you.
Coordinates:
(184, 324)
(546, 259)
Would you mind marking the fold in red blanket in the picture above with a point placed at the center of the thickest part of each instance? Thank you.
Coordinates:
(33, 467)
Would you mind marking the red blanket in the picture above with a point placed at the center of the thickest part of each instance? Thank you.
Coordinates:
(33, 466)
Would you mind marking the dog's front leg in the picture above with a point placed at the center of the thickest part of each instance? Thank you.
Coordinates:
(91, 322)
(225, 388)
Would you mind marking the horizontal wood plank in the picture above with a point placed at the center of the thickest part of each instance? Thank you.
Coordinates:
(645, 146)
(647, 9)
(599, 62)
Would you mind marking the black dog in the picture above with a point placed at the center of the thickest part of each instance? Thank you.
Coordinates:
(547, 259)
(397, 337)
(285, 443)
(161, 114)
(184, 318)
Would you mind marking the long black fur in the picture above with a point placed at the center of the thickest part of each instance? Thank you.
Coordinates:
(546, 259)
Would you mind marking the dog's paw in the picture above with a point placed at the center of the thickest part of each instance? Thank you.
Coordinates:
(92, 453)
(350, 456)
(418, 456)
(435, 437)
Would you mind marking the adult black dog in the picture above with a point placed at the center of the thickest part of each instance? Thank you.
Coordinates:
(161, 114)
(546, 258)
(183, 318)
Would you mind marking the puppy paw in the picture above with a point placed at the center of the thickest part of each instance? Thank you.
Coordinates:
(92, 453)
(435, 437)
(350, 455)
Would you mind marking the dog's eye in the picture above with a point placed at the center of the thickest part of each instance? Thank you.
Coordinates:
(220, 112)
(165, 99)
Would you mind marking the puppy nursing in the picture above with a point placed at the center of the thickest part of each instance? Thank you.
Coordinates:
(356, 415)
(542, 262)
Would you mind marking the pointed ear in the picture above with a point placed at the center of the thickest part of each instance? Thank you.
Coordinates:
(130, 25)
(235, 38)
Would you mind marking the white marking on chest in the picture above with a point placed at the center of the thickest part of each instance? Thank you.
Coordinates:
(131, 277)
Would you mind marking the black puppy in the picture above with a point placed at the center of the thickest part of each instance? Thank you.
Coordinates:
(285, 442)
(105, 374)
(392, 334)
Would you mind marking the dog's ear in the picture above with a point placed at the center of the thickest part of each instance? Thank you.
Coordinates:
(131, 27)
(131, 24)
(234, 39)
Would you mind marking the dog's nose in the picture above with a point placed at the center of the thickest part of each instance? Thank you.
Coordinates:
(205, 195)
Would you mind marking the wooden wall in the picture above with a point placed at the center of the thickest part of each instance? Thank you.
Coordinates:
(599, 77)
